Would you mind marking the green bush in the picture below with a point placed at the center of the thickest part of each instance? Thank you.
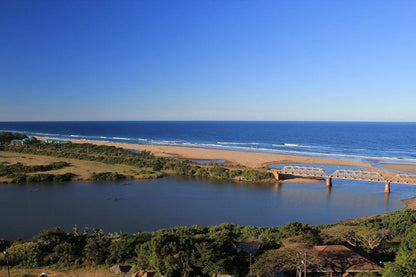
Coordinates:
(107, 176)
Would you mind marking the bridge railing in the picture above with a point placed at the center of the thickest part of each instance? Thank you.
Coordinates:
(404, 179)
(364, 175)
(303, 171)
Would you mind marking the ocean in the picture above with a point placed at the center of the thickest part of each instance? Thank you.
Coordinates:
(372, 142)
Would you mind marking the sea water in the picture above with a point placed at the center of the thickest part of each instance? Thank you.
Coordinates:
(364, 141)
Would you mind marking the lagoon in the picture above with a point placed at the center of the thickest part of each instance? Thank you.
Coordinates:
(133, 206)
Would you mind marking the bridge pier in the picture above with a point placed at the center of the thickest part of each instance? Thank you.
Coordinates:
(277, 175)
(387, 187)
(328, 181)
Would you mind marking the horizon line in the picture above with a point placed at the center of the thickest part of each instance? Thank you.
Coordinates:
(206, 120)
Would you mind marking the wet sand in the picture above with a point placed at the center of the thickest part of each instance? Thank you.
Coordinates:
(410, 203)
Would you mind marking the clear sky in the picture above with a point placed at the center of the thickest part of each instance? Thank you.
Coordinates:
(208, 60)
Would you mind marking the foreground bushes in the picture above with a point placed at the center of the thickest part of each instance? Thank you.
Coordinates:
(203, 251)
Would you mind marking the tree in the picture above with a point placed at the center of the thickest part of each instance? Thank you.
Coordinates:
(26, 254)
(95, 251)
(341, 234)
(405, 263)
(65, 253)
(295, 257)
(356, 236)
(371, 238)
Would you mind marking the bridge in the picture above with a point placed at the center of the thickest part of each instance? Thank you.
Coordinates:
(362, 175)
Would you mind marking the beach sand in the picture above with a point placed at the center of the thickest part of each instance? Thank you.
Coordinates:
(248, 159)
(401, 167)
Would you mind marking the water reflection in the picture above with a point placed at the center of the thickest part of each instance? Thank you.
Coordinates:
(328, 191)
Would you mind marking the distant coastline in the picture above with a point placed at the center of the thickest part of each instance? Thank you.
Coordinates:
(253, 160)
(370, 142)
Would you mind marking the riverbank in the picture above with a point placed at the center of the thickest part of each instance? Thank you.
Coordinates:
(410, 203)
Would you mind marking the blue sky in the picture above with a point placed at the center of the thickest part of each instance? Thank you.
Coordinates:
(208, 60)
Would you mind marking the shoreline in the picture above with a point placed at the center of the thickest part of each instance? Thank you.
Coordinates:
(254, 160)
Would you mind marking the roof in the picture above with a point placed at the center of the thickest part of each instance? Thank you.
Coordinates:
(339, 258)
(58, 141)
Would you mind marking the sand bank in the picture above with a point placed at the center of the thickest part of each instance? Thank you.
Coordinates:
(247, 159)
(401, 167)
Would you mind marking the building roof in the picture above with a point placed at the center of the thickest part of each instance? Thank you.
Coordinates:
(339, 258)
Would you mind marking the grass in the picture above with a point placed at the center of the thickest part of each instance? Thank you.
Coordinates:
(81, 168)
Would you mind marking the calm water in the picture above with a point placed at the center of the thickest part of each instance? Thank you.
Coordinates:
(155, 204)
(368, 141)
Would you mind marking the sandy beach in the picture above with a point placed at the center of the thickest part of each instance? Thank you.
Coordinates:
(248, 159)
(401, 167)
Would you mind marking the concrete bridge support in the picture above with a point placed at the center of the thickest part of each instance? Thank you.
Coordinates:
(328, 181)
(276, 175)
(387, 187)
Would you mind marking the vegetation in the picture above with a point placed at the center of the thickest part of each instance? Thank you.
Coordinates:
(6, 137)
(143, 160)
(107, 176)
(203, 251)
(196, 250)
(10, 170)
(40, 178)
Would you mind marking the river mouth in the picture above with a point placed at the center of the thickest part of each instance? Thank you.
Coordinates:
(154, 204)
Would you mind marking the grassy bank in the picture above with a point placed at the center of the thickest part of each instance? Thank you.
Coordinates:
(101, 162)
(81, 168)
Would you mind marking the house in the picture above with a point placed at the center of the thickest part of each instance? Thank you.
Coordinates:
(28, 140)
(23, 141)
(16, 142)
(57, 141)
(144, 273)
(338, 260)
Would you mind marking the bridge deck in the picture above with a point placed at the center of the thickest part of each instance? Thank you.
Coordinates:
(362, 175)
